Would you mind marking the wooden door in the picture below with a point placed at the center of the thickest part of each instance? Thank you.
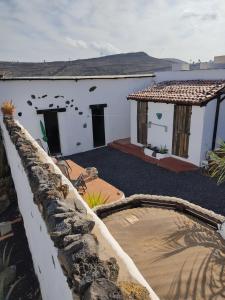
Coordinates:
(181, 130)
(142, 122)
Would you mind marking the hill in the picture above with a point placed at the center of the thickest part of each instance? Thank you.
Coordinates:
(127, 63)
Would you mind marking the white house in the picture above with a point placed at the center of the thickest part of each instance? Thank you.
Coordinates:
(182, 116)
(74, 114)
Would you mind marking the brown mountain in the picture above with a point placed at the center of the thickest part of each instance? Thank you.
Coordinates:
(127, 63)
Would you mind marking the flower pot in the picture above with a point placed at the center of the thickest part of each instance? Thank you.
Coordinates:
(161, 155)
(148, 151)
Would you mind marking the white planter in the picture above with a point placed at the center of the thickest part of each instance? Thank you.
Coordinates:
(161, 155)
(148, 152)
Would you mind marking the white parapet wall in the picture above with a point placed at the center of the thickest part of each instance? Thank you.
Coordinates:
(53, 282)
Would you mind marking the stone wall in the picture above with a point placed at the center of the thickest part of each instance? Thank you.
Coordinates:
(70, 227)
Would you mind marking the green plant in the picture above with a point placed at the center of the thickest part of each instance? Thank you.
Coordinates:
(95, 199)
(163, 150)
(8, 108)
(217, 163)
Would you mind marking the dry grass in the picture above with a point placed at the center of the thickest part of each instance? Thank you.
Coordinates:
(8, 108)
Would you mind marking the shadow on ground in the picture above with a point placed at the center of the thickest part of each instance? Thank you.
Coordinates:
(134, 176)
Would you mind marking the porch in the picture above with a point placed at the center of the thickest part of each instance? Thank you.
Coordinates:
(169, 163)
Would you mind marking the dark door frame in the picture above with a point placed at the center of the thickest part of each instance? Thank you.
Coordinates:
(94, 107)
(45, 112)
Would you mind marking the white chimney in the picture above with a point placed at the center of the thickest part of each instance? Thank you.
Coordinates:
(180, 67)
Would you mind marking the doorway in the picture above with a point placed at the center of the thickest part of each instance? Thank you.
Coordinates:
(181, 130)
(52, 132)
(98, 124)
(142, 122)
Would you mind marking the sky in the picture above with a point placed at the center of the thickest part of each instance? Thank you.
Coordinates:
(38, 30)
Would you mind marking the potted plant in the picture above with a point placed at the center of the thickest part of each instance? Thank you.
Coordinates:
(151, 151)
(162, 153)
(8, 108)
(148, 150)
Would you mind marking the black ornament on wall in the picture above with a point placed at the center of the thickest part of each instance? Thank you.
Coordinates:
(19, 114)
(51, 105)
(33, 96)
(78, 143)
(80, 113)
(67, 102)
(29, 102)
(92, 88)
(44, 96)
(85, 125)
(76, 108)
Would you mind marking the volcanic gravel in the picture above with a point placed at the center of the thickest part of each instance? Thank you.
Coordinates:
(135, 176)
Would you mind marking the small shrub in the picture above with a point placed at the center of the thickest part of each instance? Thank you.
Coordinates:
(8, 108)
(95, 199)
(163, 150)
(217, 163)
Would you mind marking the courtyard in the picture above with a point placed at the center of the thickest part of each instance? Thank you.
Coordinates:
(132, 175)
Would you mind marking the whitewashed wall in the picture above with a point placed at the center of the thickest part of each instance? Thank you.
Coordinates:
(157, 135)
(112, 92)
(52, 281)
(207, 136)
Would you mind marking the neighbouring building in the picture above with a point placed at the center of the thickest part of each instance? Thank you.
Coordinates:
(74, 114)
(181, 116)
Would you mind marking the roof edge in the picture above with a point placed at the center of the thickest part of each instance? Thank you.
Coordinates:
(76, 78)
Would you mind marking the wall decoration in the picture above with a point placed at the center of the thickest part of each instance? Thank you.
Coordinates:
(72, 100)
(58, 96)
(76, 108)
(78, 143)
(57, 106)
(39, 97)
(19, 114)
(36, 107)
(92, 88)
(44, 96)
(80, 113)
(85, 125)
(71, 105)
(159, 116)
(51, 105)
(29, 102)
(67, 102)
(33, 96)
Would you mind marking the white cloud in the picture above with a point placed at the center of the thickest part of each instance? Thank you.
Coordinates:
(76, 43)
(62, 29)
(105, 48)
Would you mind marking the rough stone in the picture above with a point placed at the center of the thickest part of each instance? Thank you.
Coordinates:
(102, 289)
(133, 291)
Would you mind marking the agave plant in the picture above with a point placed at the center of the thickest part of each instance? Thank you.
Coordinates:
(95, 199)
(8, 108)
(217, 163)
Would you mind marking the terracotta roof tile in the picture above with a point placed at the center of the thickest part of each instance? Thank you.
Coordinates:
(193, 92)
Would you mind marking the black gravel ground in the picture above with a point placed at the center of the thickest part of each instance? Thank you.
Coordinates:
(134, 176)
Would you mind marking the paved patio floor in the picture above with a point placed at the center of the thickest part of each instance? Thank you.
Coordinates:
(134, 176)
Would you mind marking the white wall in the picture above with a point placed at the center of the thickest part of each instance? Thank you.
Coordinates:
(190, 75)
(52, 281)
(112, 92)
(157, 135)
(195, 139)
